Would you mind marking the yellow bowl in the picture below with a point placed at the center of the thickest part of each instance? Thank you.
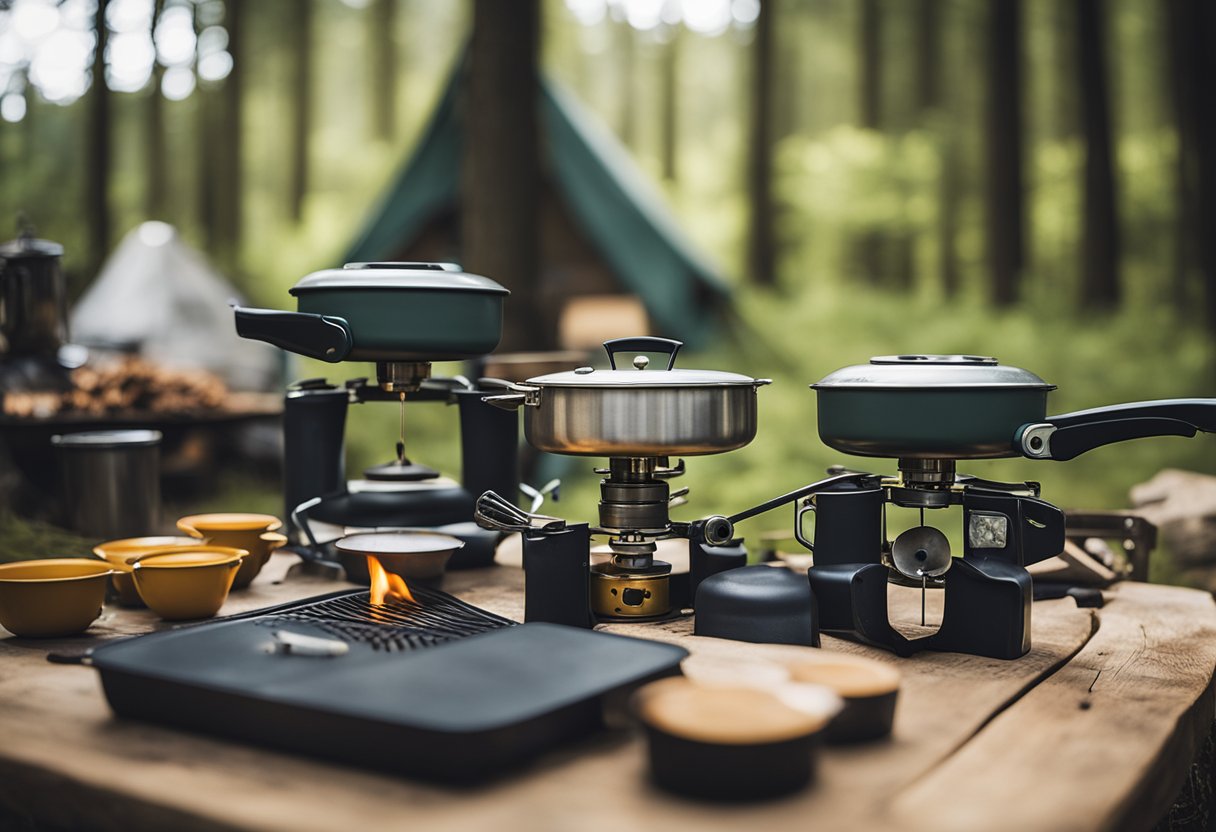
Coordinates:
(55, 597)
(260, 548)
(179, 584)
(122, 552)
(210, 525)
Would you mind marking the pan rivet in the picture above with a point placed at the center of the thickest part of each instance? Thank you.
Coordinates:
(330, 351)
(1036, 442)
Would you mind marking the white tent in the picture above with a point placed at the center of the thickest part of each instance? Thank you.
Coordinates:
(158, 296)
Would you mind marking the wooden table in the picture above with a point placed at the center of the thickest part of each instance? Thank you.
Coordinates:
(1094, 729)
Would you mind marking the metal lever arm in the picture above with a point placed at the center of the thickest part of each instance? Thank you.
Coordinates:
(718, 530)
(493, 511)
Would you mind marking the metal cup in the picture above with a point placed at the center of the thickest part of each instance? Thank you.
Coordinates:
(110, 482)
(848, 526)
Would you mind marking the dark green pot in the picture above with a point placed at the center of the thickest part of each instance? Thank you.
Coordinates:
(385, 312)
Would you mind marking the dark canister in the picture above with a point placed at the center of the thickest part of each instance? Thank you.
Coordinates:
(727, 743)
(110, 482)
(761, 604)
(868, 689)
(848, 526)
(33, 297)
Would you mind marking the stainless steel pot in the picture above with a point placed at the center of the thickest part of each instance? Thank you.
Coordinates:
(639, 412)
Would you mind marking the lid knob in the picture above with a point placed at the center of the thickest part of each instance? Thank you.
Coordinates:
(641, 362)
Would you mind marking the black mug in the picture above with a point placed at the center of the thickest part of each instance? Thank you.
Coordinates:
(848, 526)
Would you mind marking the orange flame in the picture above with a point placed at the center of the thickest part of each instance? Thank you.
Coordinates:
(386, 584)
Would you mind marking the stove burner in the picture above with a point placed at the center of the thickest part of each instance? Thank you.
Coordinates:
(436, 618)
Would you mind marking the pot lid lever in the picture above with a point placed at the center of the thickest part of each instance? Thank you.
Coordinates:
(643, 343)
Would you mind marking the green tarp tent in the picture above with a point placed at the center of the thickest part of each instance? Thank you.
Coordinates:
(603, 191)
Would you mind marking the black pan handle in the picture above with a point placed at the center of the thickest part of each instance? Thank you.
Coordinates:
(643, 343)
(325, 337)
(1072, 434)
(1198, 412)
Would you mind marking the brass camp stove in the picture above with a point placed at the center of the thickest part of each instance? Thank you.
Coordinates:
(562, 585)
(634, 501)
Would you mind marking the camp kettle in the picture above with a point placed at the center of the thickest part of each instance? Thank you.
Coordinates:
(33, 297)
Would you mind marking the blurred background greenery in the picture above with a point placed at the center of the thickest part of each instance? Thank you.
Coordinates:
(1031, 179)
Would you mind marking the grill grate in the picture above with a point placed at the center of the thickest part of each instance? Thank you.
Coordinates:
(435, 618)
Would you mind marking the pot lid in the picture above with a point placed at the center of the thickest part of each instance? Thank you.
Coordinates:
(98, 439)
(29, 246)
(932, 371)
(405, 276)
(593, 377)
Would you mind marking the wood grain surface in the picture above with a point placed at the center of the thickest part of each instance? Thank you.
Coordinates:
(978, 743)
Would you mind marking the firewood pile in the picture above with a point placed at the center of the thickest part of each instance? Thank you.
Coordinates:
(127, 385)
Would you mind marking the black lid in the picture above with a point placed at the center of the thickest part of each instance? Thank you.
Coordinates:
(28, 245)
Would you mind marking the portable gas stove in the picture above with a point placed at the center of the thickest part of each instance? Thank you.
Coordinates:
(562, 585)
(402, 317)
(639, 419)
(928, 411)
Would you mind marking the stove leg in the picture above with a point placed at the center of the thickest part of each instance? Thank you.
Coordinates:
(852, 601)
(987, 612)
(557, 574)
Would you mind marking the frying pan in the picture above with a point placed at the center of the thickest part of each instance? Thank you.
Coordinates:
(972, 407)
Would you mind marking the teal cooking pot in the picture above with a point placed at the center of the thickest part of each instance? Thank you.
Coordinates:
(385, 312)
(972, 407)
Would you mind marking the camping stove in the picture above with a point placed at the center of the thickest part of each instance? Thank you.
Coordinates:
(561, 585)
(988, 592)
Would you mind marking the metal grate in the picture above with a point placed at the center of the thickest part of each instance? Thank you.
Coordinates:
(435, 618)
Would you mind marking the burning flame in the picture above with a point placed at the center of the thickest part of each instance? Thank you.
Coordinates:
(385, 583)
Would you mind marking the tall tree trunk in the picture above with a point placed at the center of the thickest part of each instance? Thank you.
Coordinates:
(869, 111)
(301, 105)
(669, 104)
(155, 190)
(1191, 30)
(1100, 233)
(761, 240)
(950, 196)
(205, 151)
(928, 54)
(383, 68)
(97, 148)
(627, 122)
(1003, 140)
(1064, 58)
(231, 97)
(501, 176)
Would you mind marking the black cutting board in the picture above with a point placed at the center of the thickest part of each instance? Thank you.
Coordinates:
(455, 712)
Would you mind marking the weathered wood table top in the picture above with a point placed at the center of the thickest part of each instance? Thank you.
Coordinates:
(1094, 729)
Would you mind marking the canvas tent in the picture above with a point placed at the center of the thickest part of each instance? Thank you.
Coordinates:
(604, 226)
(158, 297)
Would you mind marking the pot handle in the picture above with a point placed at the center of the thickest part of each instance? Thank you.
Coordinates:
(506, 401)
(325, 337)
(1072, 434)
(643, 343)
